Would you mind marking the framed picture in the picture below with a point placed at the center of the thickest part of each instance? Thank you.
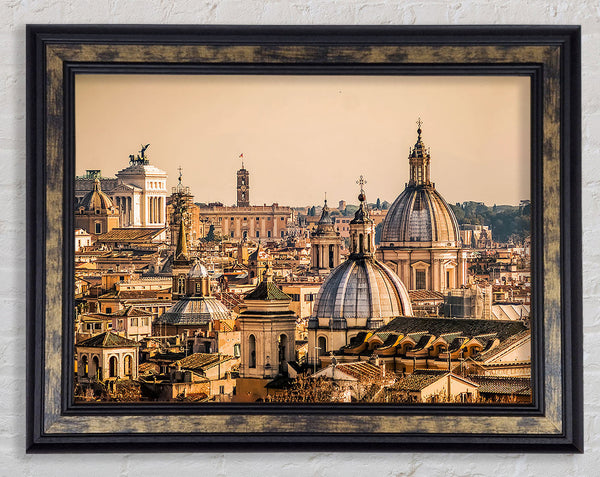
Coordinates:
(411, 281)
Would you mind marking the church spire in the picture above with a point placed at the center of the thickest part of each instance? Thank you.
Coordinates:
(418, 159)
(181, 253)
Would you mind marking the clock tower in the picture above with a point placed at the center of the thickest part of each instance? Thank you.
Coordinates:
(243, 187)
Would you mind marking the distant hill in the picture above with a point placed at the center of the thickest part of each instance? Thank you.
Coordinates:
(507, 221)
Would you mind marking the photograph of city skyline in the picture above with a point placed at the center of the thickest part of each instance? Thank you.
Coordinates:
(302, 239)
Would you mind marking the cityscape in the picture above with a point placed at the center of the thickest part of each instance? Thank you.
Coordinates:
(358, 299)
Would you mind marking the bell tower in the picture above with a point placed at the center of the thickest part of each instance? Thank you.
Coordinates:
(325, 244)
(243, 187)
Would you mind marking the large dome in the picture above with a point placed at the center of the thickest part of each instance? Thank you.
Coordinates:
(420, 214)
(420, 217)
(362, 288)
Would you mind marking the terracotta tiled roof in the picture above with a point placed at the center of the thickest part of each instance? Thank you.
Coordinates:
(439, 326)
(503, 385)
(131, 311)
(503, 346)
(202, 361)
(108, 340)
(420, 379)
(425, 295)
(141, 234)
(360, 369)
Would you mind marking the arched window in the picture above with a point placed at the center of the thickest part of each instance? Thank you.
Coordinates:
(322, 344)
(113, 367)
(84, 365)
(96, 367)
(361, 243)
(127, 365)
(331, 255)
(252, 351)
(282, 350)
(257, 234)
(181, 285)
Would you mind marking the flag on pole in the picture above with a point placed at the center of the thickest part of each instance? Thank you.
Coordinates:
(242, 154)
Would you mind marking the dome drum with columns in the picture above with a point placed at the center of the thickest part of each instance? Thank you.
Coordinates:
(360, 294)
(420, 238)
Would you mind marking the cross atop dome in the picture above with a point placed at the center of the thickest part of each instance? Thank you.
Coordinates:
(419, 124)
(361, 181)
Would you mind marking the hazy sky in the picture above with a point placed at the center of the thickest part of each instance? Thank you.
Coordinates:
(302, 136)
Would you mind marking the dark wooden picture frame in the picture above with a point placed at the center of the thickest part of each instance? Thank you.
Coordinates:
(549, 55)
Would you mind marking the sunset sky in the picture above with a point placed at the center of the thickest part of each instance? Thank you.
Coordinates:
(302, 136)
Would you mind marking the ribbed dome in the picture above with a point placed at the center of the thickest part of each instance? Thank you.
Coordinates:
(96, 199)
(198, 271)
(362, 288)
(420, 214)
(195, 311)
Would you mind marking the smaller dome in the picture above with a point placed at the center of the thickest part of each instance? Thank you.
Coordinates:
(198, 270)
(96, 199)
(326, 224)
(326, 218)
(195, 311)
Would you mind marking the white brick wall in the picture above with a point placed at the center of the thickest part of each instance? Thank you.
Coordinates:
(15, 14)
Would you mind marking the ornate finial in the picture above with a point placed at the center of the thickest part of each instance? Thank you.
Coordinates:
(325, 199)
(180, 174)
(361, 181)
(419, 124)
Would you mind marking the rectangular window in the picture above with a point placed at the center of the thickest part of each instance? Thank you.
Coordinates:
(420, 279)
(221, 389)
(134, 322)
(98, 228)
(97, 326)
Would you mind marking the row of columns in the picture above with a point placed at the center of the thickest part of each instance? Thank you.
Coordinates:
(238, 225)
(125, 210)
(321, 254)
(155, 210)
